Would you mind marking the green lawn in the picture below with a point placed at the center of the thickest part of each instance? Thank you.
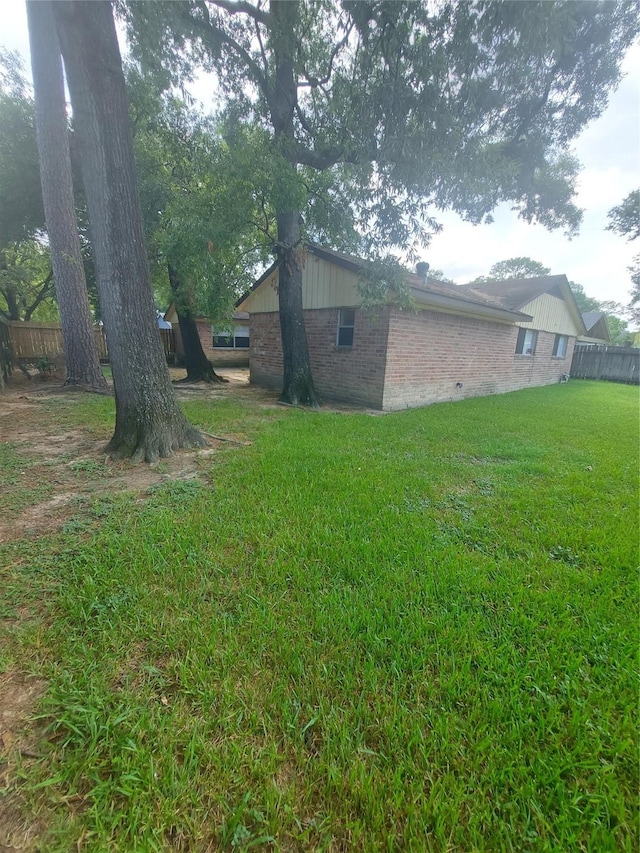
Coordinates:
(411, 632)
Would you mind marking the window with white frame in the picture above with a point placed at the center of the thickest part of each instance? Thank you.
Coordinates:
(526, 342)
(237, 338)
(560, 345)
(346, 323)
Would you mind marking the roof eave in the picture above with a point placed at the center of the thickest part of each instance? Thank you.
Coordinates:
(572, 305)
(476, 309)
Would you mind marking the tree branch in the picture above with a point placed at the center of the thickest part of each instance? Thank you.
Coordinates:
(209, 32)
(243, 8)
(44, 292)
(315, 82)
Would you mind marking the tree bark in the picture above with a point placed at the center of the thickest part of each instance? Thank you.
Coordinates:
(149, 423)
(297, 387)
(297, 381)
(199, 368)
(80, 347)
(13, 310)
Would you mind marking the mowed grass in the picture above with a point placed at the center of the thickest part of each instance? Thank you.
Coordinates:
(411, 632)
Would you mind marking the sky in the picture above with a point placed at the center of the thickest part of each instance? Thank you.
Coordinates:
(609, 149)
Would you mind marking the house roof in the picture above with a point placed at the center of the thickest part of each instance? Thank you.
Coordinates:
(515, 293)
(237, 315)
(430, 292)
(596, 325)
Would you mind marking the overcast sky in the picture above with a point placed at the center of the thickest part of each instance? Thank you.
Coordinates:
(609, 150)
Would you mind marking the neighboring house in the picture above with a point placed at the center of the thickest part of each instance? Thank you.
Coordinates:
(222, 346)
(597, 332)
(461, 341)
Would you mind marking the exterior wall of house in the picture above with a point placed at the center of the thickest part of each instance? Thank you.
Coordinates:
(324, 285)
(430, 352)
(218, 356)
(551, 314)
(351, 374)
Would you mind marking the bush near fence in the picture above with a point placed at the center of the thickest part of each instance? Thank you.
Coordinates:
(31, 341)
(614, 364)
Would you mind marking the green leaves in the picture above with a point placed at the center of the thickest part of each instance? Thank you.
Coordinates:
(21, 212)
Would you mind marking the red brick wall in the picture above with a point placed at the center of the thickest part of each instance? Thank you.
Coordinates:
(218, 357)
(430, 352)
(400, 360)
(353, 374)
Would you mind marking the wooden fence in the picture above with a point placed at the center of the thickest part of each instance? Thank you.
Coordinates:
(615, 364)
(31, 341)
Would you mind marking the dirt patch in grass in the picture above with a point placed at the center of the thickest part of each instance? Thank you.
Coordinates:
(64, 464)
(18, 743)
(57, 466)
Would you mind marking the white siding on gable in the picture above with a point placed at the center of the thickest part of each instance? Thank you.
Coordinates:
(550, 314)
(324, 285)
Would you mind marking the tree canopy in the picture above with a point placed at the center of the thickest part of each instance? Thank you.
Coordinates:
(26, 281)
(624, 219)
(420, 106)
(520, 267)
(21, 211)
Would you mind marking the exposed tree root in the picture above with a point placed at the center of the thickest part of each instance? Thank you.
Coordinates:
(149, 445)
(209, 377)
(230, 440)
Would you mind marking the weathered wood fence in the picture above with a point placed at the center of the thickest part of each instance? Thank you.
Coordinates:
(615, 364)
(31, 341)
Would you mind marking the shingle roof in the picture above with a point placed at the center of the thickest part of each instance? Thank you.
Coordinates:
(419, 285)
(501, 299)
(513, 293)
(590, 318)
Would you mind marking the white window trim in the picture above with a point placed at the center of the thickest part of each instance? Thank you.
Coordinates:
(342, 325)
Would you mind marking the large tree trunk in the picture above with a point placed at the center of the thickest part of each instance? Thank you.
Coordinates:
(298, 381)
(297, 385)
(80, 347)
(199, 368)
(149, 422)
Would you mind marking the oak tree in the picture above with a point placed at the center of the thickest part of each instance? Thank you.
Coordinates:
(149, 422)
(448, 105)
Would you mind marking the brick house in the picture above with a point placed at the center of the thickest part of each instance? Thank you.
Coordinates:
(224, 346)
(461, 341)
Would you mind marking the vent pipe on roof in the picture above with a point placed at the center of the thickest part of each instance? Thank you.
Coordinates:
(422, 269)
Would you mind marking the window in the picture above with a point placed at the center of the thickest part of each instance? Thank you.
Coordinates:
(526, 343)
(346, 322)
(560, 346)
(224, 339)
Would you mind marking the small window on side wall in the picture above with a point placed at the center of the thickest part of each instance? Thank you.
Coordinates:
(560, 346)
(346, 322)
(526, 343)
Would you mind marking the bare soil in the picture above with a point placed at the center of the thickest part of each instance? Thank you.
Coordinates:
(71, 464)
(18, 743)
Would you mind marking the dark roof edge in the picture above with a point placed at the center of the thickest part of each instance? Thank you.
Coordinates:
(477, 309)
